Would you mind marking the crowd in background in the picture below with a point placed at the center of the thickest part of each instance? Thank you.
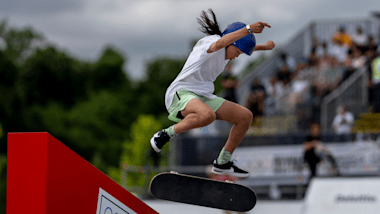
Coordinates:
(306, 81)
(300, 82)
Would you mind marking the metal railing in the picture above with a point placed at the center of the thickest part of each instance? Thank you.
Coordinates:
(300, 46)
(353, 93)
(294, 48)
(290, 98)
(324, 30)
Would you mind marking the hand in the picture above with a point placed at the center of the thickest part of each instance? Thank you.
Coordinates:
(258, 27)
(269, 45)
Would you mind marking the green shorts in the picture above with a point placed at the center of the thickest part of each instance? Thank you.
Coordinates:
(182, 98)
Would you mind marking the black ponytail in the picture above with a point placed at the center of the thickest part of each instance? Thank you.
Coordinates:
(207, 26)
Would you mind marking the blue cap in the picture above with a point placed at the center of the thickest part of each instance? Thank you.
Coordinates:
(247, 43)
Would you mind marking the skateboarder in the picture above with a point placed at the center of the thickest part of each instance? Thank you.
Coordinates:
(190, 100)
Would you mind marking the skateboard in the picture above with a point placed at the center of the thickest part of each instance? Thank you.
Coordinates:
(194, 190)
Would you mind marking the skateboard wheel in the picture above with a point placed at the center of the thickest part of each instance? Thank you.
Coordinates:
(173, 172)
(228, 181)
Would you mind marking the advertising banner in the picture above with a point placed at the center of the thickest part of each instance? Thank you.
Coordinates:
(342, 196)
(352, 159)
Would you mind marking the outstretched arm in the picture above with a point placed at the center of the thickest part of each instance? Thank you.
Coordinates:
(232, 37)
(269, 45)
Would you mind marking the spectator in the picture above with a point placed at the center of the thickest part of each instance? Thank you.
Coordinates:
(287, 60)
(347, 67)
(319, 49)
(255, 101)
(274, 93)
(298, 92)
(339, 51)
(358, 59)
(320, 85)
(353, 62)
(284, 75)
(371, 46)
(324, 52)
(342, 37)
(333, 74)
(229, 83)
(313, 58)
(360, 39)
(370, 54)
(315, 151)
(315, 43)
(343, 122)
(275, 89)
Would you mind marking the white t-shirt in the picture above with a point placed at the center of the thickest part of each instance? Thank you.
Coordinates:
(200, 71)
(339, 52)
(360, 39)
(343, 123)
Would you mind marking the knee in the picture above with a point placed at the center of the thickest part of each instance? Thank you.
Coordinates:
(247, 118)
(207, 118)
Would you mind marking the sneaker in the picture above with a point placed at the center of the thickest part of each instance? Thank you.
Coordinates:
(159, 140)
(229, 169)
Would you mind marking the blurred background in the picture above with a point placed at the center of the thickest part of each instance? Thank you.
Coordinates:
(94, 75)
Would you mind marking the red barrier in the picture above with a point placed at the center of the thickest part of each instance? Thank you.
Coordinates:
(46, 177)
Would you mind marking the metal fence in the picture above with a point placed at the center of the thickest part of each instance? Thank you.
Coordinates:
(299, 47)
(323, 30)
(353, 93)
(294, 48)
(297, 100)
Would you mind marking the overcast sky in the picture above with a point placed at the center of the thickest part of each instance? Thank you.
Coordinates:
(145, 29)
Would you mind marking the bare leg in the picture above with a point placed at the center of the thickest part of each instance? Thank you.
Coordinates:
(238, 115)
(196, 114)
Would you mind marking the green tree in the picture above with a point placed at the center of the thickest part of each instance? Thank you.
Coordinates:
(94, 128)
(137, 152)
(160, 72)
(108, 72)
(10, 97)
(3, 175)
(19, 42)
(49, 75)
(1, 131)
(89, 106)
(52, 75)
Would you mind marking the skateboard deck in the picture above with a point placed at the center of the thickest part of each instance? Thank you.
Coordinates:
(203, 192)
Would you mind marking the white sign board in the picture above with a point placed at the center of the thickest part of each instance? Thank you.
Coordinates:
(343, 196)
(265, 161)
(107, 204)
